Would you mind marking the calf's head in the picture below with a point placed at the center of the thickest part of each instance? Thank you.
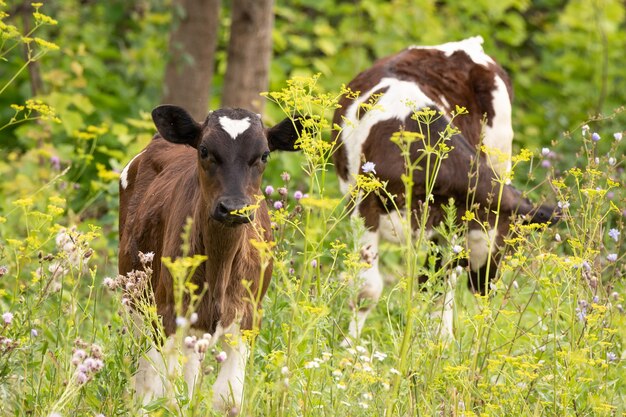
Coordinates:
(233, 148)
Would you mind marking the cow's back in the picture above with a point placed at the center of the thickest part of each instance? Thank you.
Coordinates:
(441, 77)
(156, 188)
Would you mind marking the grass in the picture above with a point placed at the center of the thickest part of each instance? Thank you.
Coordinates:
(548, 340)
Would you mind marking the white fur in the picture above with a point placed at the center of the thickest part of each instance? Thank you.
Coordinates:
(124, 174)
(445, 313)
(447, 320)
(499, 136)
(444, 102)
(371, 286)
(157, 368)
(229, 386)
(399, 101)
(392, 227)
(234, 127)
(473, 47)
(480, 245)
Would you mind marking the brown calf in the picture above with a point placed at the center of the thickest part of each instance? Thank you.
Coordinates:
(396, 87)
(206, 172)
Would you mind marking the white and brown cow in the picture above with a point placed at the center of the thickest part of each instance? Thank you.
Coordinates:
(393, 89)
(206, 172)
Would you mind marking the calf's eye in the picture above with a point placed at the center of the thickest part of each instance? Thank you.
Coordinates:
(204, 152)
(265, 156)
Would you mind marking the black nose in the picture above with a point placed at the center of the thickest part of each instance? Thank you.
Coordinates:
(233, 212)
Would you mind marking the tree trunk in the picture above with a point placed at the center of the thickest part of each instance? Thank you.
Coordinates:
(193, 40)
(249, 54)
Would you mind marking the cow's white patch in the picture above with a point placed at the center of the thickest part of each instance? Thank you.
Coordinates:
(228, 387)
(392, 228)
(444, 103)
(480, 245)
(398, 102)
(473, 47)
(499, 136)
(124, 174)
(157, 368)
(234, 127)
(445, 313)
(371, 286)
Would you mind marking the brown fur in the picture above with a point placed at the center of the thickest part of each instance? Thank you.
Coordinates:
(170, 182)
(456, 78)
(464, 173)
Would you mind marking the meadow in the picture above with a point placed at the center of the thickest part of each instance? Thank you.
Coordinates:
(548, 340)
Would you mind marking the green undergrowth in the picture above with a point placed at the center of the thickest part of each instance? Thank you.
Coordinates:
(547, 340)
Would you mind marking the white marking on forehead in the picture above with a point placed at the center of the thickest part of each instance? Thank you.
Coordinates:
(471, 46)
(234, 127)
(398, 102)
(124, 174)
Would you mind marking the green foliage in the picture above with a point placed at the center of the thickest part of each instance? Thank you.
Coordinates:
(564, 57)
(101, 81)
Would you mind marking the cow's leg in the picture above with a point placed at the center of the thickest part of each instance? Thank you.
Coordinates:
(371, 285)
(149, 380)
(482, 246)
(445, 313)
(229, 385)
(157, 368)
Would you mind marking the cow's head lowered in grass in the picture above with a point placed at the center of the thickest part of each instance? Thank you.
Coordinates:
(392, 92)
(233, 149)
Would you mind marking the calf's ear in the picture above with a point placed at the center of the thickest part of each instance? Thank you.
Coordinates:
(284, 135)
(176, 125)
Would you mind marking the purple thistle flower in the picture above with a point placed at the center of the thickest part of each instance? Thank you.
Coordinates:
(617, 136)
(314, 263)
(545, 152)
(34, 333)
(611, 257)
(614, 234)
(278, 205)
(611, 357)
(7, 318)
(545, 163)
(285, 176)
(81, 378)
(269, 190)
(282, 191)
(55, 162)
(595, 137)
(298, 195)
(221, 357)
(369, 167)
(3, 270)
